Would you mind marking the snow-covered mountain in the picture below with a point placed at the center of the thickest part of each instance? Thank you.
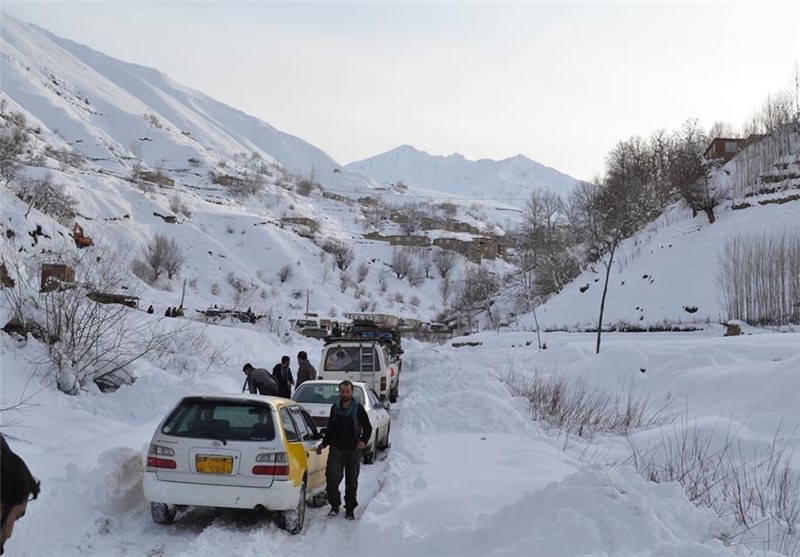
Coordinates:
(508, 179)
(110, 106)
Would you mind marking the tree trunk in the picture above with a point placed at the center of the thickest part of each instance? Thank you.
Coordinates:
(709, 211)
(603, 298)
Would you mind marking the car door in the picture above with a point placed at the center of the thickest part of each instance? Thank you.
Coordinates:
(310, 439)
(298, 460)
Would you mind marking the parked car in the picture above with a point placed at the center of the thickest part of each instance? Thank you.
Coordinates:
(318, 396)
(357, 359)
(235, 451)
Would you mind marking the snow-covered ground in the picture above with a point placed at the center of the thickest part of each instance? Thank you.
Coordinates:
(469, 472)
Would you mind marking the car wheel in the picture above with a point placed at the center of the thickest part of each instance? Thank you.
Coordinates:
(292, 521)
(372, 451)
(393, 394)
(162, 513)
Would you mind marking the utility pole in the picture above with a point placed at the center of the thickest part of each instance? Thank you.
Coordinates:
(307, 297)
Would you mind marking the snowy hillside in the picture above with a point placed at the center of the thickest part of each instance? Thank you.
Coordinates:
(509, 179)
(108, 106)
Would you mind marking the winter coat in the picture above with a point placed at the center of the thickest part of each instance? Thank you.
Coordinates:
(305, 372)
(285, 379)
(342, 431)
(262, 382)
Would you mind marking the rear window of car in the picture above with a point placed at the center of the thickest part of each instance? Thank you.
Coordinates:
(314, 393)
(218, 419)
(351, 358)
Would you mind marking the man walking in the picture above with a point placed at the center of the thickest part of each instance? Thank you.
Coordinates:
(347, 435)
(305, 371)
(283, 375)
(259, 381)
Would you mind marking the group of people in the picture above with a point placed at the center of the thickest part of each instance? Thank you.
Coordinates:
(280, 381)
(347, 434)
(17, 488)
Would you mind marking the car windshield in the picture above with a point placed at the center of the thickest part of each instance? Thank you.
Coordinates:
(221, 419)
(312, 392)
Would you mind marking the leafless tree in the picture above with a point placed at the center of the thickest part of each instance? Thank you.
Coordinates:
(476, 292)
(342, 253)
(85, 341)
(600, 223)
(444, 260)
(759, 276)
(361, 272)
(47, 197)
(163, 254)
(13, 141)
(402, 262)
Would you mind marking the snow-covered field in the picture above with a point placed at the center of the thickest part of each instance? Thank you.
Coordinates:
(468, 473)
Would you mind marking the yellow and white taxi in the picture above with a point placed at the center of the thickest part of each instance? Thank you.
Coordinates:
(235, 451)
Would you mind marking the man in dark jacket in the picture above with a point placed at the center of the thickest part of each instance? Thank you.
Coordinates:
(283, 375)
(305, 371)
(17, 487)
(259, 381)
(347, 435)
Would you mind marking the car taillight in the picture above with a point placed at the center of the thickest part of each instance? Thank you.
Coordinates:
(155, 453)
(392, 370)
(275, 464)
(383, 383)
(155, 462)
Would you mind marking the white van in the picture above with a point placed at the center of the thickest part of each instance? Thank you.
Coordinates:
(364, 360)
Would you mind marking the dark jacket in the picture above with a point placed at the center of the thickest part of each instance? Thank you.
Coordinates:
(341, 432)
(305, 372)
(285, 379)
(260, 381)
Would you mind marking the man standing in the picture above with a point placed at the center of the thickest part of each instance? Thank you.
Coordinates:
(259, 381)
(347, 435)
(305, 371)
(283, 375)
(17, 487)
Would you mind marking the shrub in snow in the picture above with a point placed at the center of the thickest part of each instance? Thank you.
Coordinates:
(13, 141)
(444, 261)
(402, 262)
(285, 273)
(215, 289)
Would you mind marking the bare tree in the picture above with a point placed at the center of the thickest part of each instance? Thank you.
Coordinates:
(402, 262)
(342, 253)
(361, 272)
(444, 260)
(47, 197)
(84, 341)
(163, 254)
(600, 222)
(477, 292)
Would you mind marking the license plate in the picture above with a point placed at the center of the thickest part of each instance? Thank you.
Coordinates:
(214, 464)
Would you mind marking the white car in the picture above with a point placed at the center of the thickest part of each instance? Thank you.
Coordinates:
(358, 359)
(236, 451)
(318, 396)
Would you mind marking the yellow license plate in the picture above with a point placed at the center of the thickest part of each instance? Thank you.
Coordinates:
(214, 464)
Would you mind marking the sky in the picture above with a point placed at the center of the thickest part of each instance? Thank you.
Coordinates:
(560, 83)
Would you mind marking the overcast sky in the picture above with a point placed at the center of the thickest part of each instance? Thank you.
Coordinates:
(558, 82)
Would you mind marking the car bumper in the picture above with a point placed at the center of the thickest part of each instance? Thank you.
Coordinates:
(282, 495)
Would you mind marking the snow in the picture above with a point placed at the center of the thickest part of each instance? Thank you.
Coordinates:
(469, 471)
